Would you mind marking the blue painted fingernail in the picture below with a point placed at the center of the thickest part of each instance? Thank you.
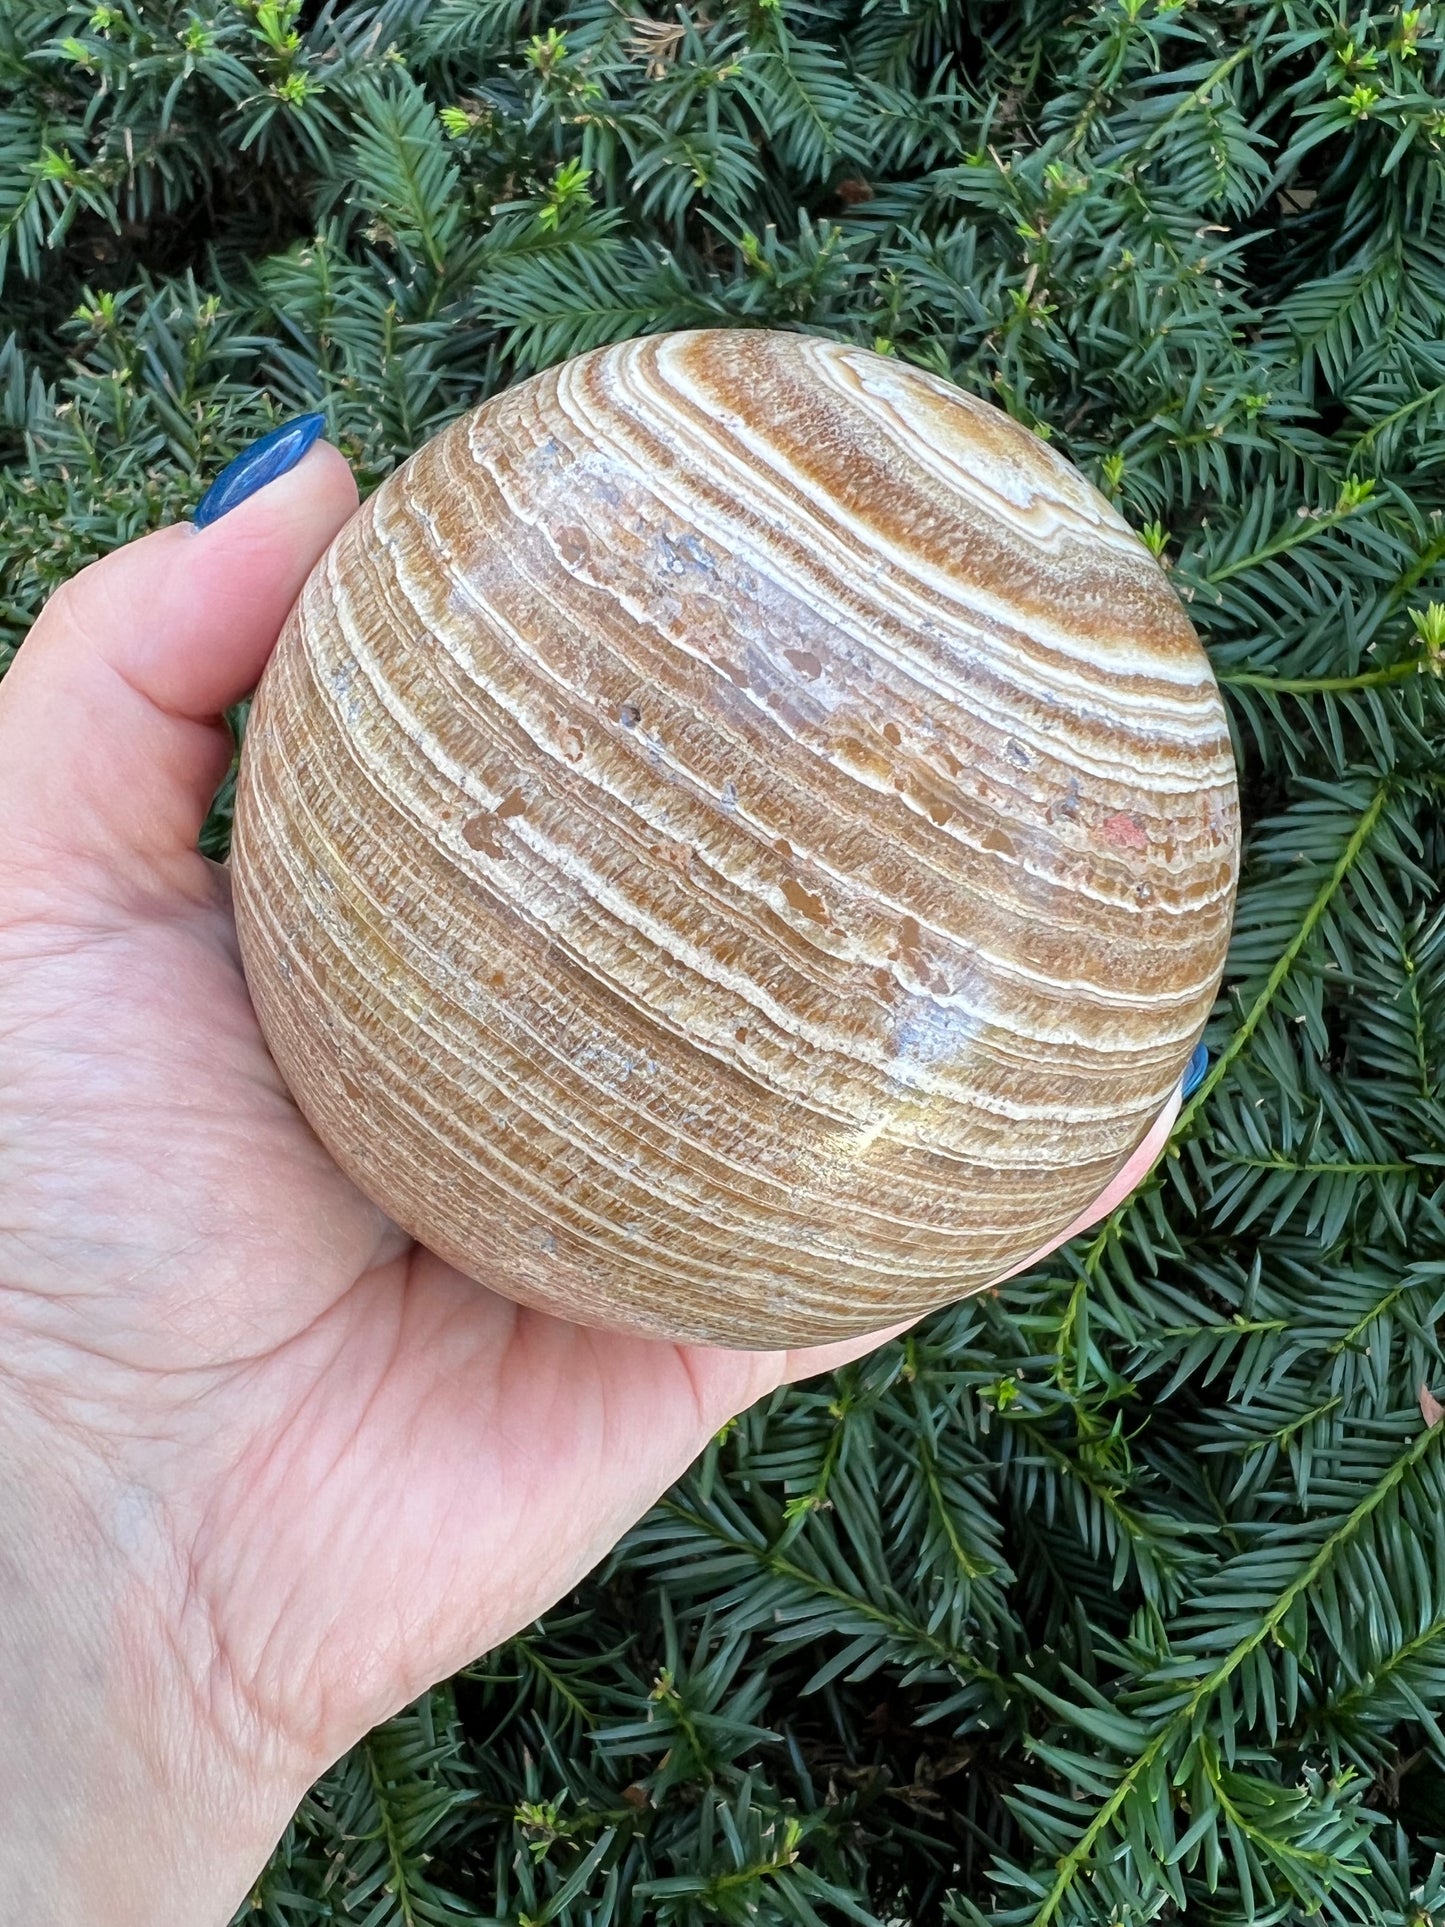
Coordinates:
(1194, 1073)
(257, 465)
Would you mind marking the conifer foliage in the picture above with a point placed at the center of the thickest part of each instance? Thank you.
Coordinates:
(1118, 1596)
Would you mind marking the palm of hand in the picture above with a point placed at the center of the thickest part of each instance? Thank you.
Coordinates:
(345, 1468)
(366, 1467)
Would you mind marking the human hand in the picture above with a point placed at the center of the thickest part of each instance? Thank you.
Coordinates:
(267, 1469)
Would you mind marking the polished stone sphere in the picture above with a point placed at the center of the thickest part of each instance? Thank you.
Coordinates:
(737, 841)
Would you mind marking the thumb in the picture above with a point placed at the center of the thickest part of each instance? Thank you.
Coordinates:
(112, 740)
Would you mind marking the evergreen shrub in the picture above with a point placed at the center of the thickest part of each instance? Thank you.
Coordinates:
(1118, 1595)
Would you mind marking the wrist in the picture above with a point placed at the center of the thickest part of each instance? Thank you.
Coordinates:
(132, 1792)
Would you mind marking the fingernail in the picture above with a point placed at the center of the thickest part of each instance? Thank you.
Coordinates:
(1194, 1073)
(257, 465)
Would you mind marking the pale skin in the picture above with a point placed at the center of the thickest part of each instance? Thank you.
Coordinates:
(267, 1468)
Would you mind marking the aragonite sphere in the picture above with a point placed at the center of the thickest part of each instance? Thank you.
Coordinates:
(737, 841)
